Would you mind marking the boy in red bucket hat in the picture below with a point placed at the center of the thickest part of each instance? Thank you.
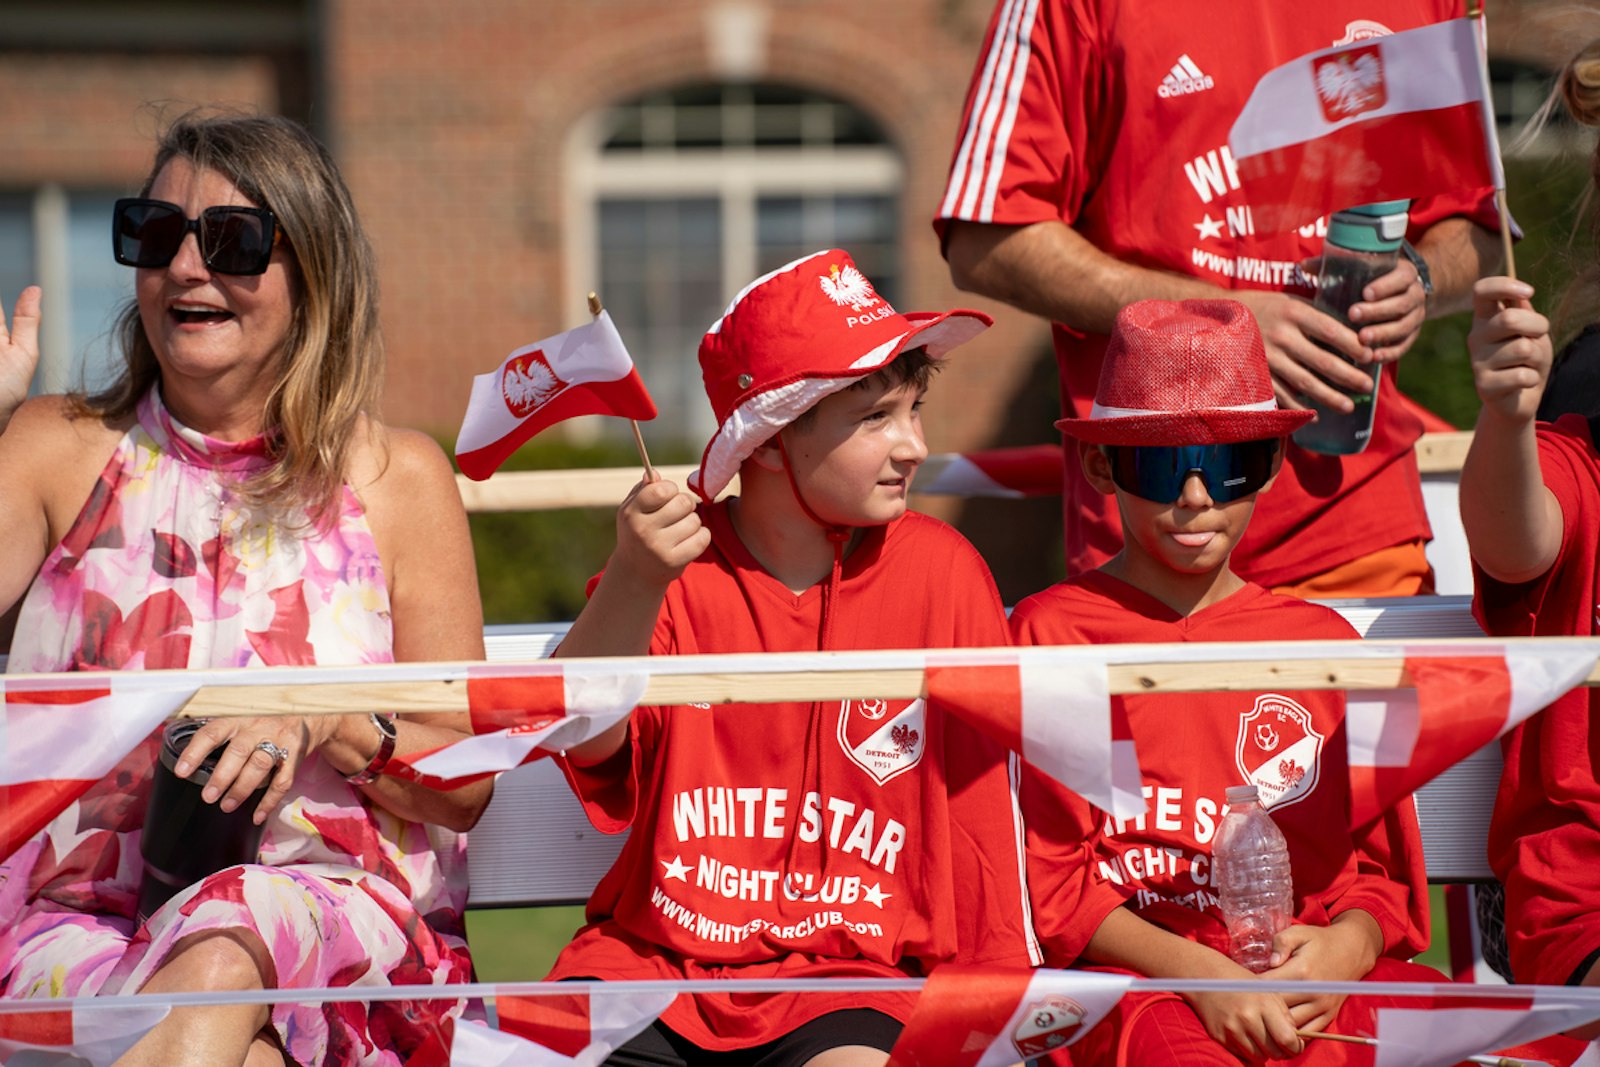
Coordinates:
(1185, 433)
(858, 838)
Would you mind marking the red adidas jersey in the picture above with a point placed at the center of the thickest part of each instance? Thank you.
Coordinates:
(1113, 116)
(1544, 840)
(1082, 864)
(860, 838)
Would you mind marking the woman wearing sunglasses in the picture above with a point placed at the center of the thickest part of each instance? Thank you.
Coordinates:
(230, 501)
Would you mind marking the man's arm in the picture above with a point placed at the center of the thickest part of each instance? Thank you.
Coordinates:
(1051, 270)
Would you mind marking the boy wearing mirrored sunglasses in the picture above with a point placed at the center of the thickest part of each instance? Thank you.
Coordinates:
(1185, 433)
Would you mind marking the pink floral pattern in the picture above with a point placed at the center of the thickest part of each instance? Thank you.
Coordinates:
(165, 567)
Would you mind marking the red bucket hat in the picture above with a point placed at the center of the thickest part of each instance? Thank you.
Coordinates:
(794, 336)
(1184, 372)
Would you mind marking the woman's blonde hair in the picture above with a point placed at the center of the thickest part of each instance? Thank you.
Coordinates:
(332, 360)
(1579, 88)
(1577, 91)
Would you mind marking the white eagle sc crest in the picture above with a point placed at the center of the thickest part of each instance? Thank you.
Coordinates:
(1047, 1025)
(848, 287)
(1279, 751)
(885, 738)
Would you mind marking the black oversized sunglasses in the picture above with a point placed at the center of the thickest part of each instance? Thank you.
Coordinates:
(233, 240)
(1157, 472)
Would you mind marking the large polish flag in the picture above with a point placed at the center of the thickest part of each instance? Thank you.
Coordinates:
(59, 737)
(1053, 708)
(1403, 738)
(993, 1016)
(523, 712)
(1393, 117)
(585, 371)
(92, 1035)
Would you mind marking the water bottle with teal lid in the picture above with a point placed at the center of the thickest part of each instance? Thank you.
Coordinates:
(1363, 244)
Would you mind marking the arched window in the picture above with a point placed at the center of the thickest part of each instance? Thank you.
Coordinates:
(681, 197)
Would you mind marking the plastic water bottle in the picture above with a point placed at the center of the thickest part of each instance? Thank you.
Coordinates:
(1250, 861)
(1363, 244)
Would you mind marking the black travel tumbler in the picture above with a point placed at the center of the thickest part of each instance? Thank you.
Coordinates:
(185, 838)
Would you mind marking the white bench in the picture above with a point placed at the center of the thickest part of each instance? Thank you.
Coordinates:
(535, 846)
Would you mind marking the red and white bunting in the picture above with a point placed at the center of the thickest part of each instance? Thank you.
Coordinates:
(59, 737)
(523, 712)
(1054, 710)
(1401, 739)
(78, 1035)
(585, 371)
(992, 1016)
(1454, 1029)
(577, 1029)
(1393, 117)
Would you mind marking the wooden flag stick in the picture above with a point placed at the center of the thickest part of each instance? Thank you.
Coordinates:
(638, 438)
(1475, 12)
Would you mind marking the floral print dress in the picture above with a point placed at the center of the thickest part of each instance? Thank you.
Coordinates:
(165, 567)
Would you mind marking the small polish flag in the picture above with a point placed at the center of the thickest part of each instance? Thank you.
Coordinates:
(1394, 117)
(992, 1016)
(1030, 470)
(1400, 739)
(579, 1028)
(80, 1036)
(1055, 711)
(585, 371)
(523, 712)
(59, 737)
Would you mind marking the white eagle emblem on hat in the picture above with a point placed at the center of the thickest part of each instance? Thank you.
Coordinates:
(848, 287)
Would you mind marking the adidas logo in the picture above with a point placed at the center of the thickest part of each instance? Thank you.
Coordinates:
(1184, 78)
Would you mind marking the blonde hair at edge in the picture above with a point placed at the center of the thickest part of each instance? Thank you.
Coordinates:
(1577, 90)
(332, 369)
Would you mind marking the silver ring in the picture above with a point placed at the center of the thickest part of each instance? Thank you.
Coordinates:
(276, 751)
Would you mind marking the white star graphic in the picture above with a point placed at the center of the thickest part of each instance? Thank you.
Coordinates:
(676, 869)
(1208, 226)
(873, 895)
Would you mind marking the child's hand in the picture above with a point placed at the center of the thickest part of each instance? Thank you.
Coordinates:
(1510, 346)
(1342, 952)
(1252, 1026)
(659, 533)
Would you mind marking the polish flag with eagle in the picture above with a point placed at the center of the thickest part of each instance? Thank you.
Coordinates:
(585, 371)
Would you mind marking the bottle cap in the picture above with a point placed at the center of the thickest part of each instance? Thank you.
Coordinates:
(1242, 794)
(1370, 227)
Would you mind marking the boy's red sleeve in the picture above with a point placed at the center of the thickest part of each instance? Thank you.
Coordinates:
(1070, 898)
(1391, 881)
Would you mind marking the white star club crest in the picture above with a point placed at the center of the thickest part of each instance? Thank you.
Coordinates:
(1278, 751)
(1047, 1025)
(848, 287)
(883, 738)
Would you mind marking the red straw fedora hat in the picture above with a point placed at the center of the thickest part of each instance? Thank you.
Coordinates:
(794, 336)
(1184, 372)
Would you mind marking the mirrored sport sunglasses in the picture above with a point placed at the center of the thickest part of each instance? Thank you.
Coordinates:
(233, 240)
(1157, 472)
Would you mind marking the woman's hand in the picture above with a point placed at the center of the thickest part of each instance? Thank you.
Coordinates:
(247, 763)
(19, 352)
